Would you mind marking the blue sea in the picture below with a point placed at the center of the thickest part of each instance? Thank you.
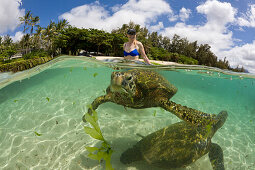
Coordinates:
(41, 113)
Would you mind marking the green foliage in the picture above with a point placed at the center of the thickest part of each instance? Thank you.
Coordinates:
(6, 53)
(72, 40)
(158, 53)
(47, 98)
(36, 54)
(187, 60)
(105, 151)
(21, 64)
(162, 54)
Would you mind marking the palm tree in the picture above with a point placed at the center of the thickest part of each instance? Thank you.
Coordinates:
(25, 42)
(37, 37)
(7, 41)
(49, 32)
(1, 44)
(61, 25)
(33, 22)
(26, 20)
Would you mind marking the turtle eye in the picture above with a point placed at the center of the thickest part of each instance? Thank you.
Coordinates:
(129, 78)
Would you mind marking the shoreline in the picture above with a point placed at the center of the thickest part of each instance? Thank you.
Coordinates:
(101, 58)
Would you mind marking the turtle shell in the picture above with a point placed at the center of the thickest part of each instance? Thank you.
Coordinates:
(149, 80)
(175, 146)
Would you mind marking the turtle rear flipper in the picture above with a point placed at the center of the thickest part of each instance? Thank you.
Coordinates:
(187, 114)
(216, 157)
(220, 120)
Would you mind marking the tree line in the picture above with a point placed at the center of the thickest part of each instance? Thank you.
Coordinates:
(62, 38)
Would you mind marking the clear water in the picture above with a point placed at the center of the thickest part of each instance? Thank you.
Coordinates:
(51, 99)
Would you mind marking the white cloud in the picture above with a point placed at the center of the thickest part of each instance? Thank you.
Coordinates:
(184, 14)
(9, 15)
(17, 37)
(247, 19)
(141, 12)
(242, 56)
(157, 27)
(218, 14)
(214, 32)
(87, 16)
(173, 18)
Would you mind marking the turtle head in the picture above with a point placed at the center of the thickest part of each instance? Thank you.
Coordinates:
(221, 118)
(123, 82)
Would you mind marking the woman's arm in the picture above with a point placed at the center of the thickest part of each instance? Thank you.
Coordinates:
(142, 52)
(124, 46)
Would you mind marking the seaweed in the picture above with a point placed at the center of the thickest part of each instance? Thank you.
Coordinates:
(105, 151)
(15, 101)
(48, 99)
(155, 112)
(37, 134)
(95, 74)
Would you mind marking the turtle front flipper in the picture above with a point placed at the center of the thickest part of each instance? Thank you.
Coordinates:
(189, 115)
(216, 157)
(99, 100)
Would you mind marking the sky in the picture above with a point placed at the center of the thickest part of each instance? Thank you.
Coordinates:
(228, 26)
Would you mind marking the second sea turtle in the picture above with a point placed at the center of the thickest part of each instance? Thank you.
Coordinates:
(178, 145)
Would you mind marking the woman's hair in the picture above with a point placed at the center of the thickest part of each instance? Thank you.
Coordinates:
(132, 32)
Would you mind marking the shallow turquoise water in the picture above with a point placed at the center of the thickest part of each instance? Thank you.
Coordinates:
(51, 99)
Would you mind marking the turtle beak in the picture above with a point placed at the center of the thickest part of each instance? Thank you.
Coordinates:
(117, 82)
(116, 79)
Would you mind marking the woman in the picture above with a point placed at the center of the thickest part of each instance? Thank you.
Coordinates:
(133, 48)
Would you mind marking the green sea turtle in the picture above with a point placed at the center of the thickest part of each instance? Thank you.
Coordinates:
(141, 88)
(178, 145)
